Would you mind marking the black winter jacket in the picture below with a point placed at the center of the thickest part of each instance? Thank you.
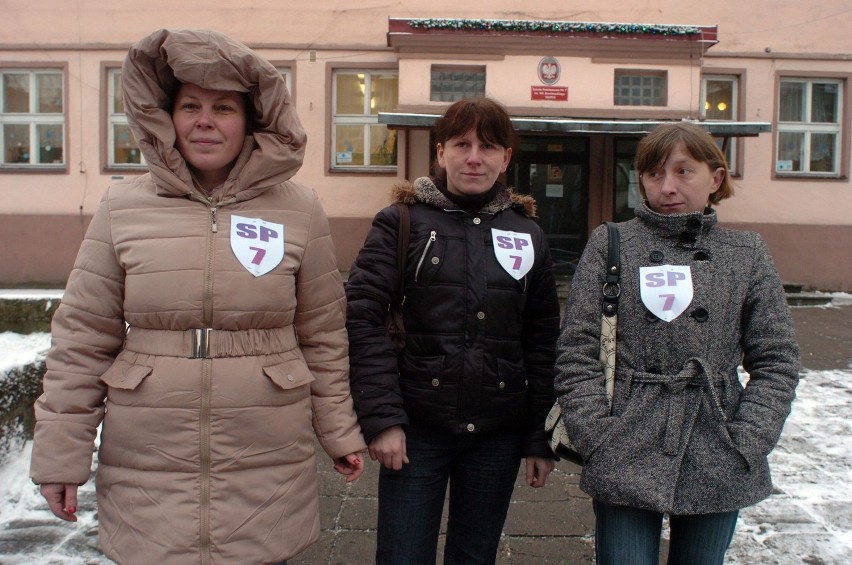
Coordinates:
(480, 345)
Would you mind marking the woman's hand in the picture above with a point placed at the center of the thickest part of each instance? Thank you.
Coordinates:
(389, 448)
(351, 466)
(538, 468)
(62, 500)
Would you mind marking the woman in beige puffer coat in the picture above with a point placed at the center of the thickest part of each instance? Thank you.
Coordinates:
(202, 325)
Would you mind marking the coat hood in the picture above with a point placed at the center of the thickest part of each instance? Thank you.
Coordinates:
(157, 64)
(424, 190)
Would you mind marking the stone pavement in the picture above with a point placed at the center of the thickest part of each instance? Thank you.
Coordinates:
(554, 524)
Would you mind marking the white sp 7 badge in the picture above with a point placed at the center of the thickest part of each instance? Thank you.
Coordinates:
(666, 290)
(258, 244)
(514, 251)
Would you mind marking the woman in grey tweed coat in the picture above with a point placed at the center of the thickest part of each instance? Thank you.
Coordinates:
(684, 437)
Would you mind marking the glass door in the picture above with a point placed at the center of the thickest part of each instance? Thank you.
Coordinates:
(626, 190)
(556, 173)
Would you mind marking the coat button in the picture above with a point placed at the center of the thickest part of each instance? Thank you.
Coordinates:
(480, 315)
(687, 238)
(435, 382)
(471, 427)
(290, 378)
(656, 256)
(502, 385)
(701, 256)
(435, 260)
(654, 370)
(650, 317)
(693, 224)
(477, 221)
(700, 315)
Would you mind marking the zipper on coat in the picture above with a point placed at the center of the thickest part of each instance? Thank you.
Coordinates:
(433, 235)
(206, 393)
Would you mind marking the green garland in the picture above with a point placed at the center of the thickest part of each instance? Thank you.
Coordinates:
(552, 27)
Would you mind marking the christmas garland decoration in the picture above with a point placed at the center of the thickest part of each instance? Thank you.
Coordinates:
(552, 27)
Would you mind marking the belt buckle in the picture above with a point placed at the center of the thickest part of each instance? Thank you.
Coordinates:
(200, 343)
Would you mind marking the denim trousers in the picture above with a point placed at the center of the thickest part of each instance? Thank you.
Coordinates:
(631, 536)
(481, 471)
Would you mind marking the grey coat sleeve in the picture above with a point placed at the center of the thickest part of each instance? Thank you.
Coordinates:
(579, 383)
(771, 358)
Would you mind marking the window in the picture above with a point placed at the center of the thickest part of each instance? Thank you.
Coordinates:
(288, 78)
(32, 117)
(809, 126)
(720, 93)
(123, 151)
(359, 141)
(454, 83)
(640, 88)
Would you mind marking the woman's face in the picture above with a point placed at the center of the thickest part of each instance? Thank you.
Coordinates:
(681, 184)
(210, 126)
(472, 165)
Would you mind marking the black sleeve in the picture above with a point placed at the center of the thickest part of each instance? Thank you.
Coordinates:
(374, 374)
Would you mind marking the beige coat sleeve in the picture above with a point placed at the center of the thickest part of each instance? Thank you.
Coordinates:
(320, 326)
(87, 332)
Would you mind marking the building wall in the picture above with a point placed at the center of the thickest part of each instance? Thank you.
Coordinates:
(42, 214)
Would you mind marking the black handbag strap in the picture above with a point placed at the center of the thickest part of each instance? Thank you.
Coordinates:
(612, 287)
(402, 249)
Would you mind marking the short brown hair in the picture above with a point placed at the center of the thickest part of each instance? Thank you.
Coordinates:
(656, 147)
(487, 117)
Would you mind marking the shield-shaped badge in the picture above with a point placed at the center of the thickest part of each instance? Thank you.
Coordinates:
(258, 244)
(666, 290)
(514, 251)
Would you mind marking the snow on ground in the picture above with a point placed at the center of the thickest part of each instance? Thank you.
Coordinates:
(18, 350)
(30, 293)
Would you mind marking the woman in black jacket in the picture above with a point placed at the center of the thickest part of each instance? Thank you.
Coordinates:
(466, 398)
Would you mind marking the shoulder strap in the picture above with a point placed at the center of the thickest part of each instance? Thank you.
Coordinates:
(612, 288)
(402, 249)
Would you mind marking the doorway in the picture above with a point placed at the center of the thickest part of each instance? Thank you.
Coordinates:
(555, 171)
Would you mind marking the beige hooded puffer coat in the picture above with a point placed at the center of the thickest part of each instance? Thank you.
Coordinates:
(210, 399)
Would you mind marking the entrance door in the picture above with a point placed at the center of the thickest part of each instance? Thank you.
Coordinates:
(556, 173)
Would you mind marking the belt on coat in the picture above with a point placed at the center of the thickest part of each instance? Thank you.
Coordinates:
(693, 374)
(207, 343)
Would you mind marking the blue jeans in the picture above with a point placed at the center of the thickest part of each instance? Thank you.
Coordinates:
(481, 472)
(631, 536)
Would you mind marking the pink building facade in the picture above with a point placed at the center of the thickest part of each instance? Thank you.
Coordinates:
(769, 79)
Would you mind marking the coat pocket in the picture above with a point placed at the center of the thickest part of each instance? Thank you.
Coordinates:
(511, 377)
(125, 375)
(289, 375)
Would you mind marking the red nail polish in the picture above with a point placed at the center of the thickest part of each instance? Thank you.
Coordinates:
(72, 509)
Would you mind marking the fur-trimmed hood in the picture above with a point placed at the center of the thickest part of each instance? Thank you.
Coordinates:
(423, 190)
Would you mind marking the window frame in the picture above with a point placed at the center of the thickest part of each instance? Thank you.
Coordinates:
(839, 128)
(367, 120)
(34, 119)
(737, 77)
(110, 119)
(662, 74)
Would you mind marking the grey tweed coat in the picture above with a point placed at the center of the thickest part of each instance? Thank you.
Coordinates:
(684, 436)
